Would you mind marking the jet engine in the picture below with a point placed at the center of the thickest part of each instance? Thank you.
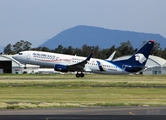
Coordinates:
(62, 68)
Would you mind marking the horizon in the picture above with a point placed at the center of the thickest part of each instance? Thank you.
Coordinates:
(39, 20)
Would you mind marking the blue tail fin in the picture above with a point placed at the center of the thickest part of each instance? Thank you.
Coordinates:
(141, 56)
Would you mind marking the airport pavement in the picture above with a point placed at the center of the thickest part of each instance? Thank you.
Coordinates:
(87, 113)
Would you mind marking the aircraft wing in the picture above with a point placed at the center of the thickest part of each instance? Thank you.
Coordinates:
(81, 65)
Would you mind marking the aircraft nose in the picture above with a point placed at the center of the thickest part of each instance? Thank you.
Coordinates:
(14, 56)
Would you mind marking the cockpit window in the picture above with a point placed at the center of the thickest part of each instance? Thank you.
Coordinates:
(20, 53)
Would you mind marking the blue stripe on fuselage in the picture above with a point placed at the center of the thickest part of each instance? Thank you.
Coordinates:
(100, 66)
(116, 64)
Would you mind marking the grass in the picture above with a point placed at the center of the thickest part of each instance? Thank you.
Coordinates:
(48, 91)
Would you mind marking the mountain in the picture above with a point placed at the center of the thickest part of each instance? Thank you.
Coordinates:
(104, 38)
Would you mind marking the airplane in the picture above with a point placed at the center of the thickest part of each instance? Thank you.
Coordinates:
(69, 63)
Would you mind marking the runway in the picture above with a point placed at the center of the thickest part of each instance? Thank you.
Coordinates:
(89, 111)
(105, 113)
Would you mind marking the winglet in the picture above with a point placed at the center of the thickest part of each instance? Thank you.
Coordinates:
(111, 56)
(89, 56)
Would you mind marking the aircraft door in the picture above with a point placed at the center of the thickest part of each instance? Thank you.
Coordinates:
(28, 55)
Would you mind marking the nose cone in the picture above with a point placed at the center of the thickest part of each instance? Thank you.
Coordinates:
(15, 56)
(20, 57)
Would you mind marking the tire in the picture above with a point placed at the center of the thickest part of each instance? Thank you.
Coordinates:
(77, 75)
(82, 74)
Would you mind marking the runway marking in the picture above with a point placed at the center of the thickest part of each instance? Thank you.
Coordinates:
(131, 113)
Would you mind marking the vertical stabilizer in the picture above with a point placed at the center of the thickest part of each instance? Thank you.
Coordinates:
(141, 56)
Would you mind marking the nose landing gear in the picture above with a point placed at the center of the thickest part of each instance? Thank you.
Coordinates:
(25, 67)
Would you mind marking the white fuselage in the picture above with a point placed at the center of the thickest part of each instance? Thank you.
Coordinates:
(50, 59)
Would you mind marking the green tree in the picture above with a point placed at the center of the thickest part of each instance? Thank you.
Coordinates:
(78, 51)
(37, 49)
(45, 49)
(8, 49)
(21, 46)
(164, 54)
(103, 54)
(156, 50)
(96, 50)
(87, 49)
(69, 50)
(59, 49)
(110, 51)
(126, 48)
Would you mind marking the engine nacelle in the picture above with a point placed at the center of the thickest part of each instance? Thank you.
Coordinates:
(62, 68)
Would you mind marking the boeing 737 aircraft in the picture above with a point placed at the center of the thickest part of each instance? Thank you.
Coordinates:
(65, 63)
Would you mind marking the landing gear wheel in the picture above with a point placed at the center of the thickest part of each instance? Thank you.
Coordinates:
(25, 67)
(82, 75)
(79, 75)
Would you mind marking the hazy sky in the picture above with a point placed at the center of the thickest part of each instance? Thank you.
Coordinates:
(39, 20)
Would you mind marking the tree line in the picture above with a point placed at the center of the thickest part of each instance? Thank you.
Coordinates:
(125, 48)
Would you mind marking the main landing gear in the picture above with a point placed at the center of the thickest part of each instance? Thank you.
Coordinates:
(25, 67)
(79, 74)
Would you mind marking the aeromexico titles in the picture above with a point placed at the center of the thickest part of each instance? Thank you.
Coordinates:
(69, 63)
